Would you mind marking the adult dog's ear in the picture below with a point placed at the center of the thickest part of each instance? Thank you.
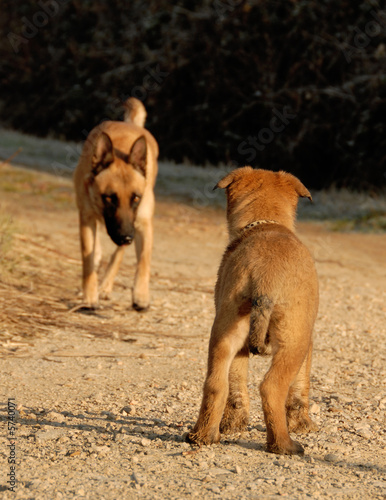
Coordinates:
(298, 186)
(137, 155)
(228, 179)
(103, 154)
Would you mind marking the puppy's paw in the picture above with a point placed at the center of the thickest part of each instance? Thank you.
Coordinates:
(301, 425)
(286, 448)
(234, 420)
(201, 437)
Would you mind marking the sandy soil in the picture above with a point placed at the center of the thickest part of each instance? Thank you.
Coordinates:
(103, 401)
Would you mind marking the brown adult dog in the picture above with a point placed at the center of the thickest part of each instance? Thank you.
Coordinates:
(266, 303)
(114, 182)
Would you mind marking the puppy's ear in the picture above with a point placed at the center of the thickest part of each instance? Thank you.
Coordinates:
(225, 181)
(228, 179)
(298, 186)
(137, 155)
(103, 154)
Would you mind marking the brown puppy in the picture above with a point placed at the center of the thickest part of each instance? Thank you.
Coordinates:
(266, 303)
(114, 183)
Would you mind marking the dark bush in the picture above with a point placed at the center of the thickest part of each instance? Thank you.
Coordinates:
(298, 85)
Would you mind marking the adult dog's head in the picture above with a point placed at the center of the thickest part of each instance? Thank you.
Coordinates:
(116, 185)
(254, 195)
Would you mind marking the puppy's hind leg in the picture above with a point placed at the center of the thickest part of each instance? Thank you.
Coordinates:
(298, 419)
(227, 339)
(236, 413)
(111, 271)
(274, 390)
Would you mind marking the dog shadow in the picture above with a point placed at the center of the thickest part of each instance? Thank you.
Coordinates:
(92, 423)
(158, 429)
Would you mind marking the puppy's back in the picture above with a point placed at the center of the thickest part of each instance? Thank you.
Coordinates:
(270, 262)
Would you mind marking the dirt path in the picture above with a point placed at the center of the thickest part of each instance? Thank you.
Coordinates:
(103, 401)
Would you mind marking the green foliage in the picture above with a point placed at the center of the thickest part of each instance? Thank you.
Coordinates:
(215, 77)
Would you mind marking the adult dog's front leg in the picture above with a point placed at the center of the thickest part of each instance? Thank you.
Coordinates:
(143, 247)
(111, 271)
(87, 229)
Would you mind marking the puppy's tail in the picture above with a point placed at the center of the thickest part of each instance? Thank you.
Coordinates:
(135, 112)
(262, 307)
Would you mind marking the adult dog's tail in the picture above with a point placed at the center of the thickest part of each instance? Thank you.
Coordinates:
(135, 112)
(261, 312)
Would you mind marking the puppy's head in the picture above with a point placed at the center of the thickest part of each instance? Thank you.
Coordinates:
(261, 195)
(117, 184)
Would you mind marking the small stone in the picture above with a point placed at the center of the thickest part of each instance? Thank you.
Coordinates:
(49, 434)
(145, 442)
(261, 428)
(365, 433)
(382, 404)
(315, 408)
(75, 453)
(238, 469)
(331, 457)
(363, 430)
(98, 397)
(57, 417)
(109, 415)
(102, 450)
(216, 471)
(331, 429)
(128, 410)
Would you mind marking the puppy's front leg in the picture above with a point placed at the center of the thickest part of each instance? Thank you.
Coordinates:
(87, 229)
(227, 338)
